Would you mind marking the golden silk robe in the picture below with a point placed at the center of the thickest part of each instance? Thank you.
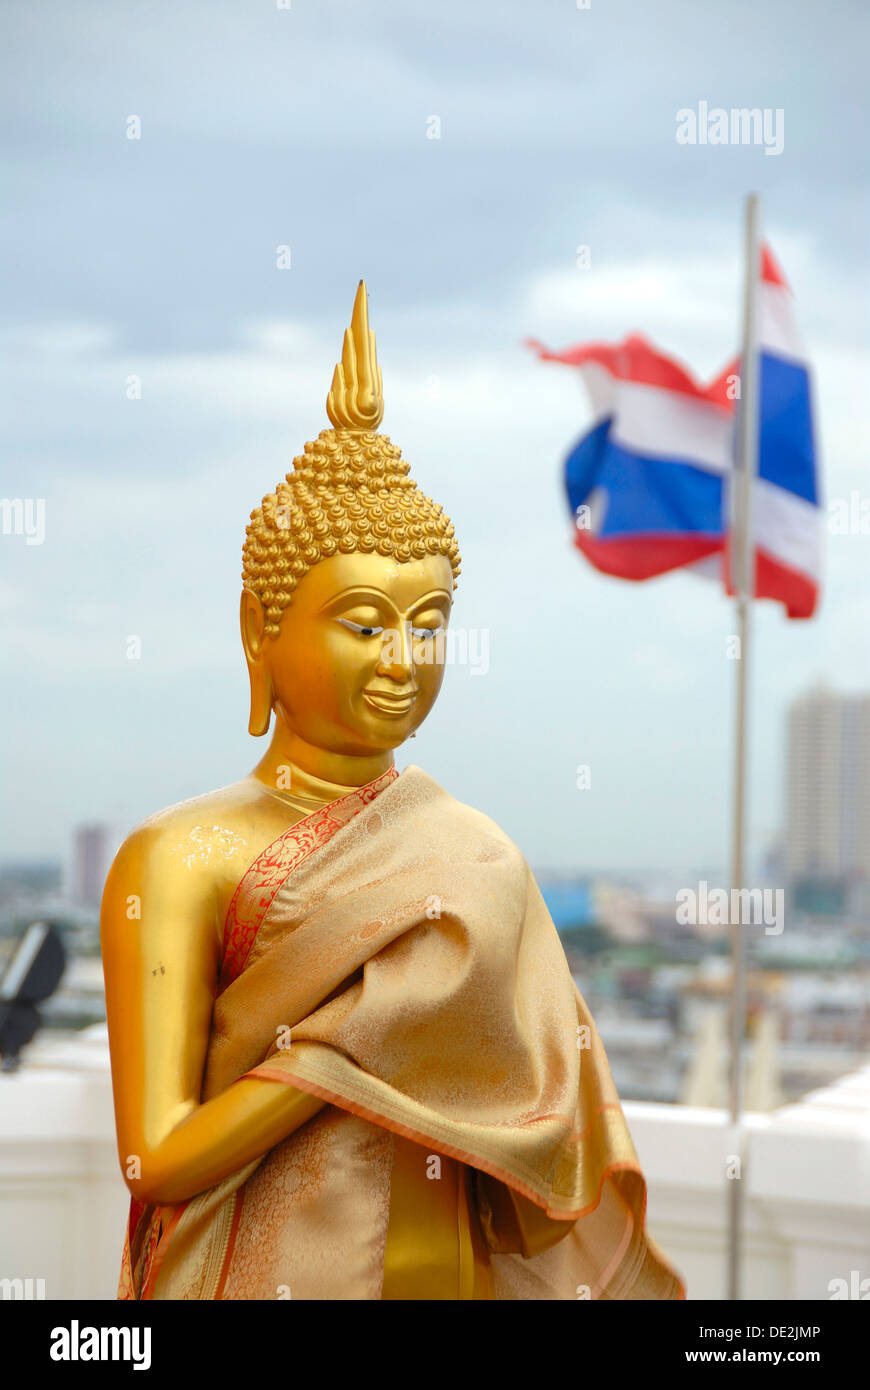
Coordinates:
(392, 954)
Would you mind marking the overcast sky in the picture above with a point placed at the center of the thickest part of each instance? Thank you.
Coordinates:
(308, 127)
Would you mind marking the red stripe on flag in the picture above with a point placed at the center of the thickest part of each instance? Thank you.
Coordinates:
(771, 270)
(644, 556)
(798, 592)
(638, 361)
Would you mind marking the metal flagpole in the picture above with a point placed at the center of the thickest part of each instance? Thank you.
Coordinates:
(743, 582)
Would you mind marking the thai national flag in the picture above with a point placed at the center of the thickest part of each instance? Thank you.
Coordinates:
(648, 484)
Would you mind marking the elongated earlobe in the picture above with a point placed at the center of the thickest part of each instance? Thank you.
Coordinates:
(261, 700)
(252, 621)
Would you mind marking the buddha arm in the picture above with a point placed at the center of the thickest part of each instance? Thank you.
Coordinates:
(161, 957)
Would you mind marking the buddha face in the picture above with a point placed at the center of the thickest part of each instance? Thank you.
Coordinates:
(359, 656)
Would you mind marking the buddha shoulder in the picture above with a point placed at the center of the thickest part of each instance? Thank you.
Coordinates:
(474, 833)
(209, 838)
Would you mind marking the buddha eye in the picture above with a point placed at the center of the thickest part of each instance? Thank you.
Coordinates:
(428, 630)
(363, 630)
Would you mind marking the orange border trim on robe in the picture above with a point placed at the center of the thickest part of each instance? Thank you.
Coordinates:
(418, 1136)
(250, 903)
(509, 1179)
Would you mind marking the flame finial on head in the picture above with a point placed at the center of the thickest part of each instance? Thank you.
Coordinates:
(356, 399)
(349, 491)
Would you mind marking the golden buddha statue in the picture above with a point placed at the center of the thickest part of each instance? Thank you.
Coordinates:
(348, 1057)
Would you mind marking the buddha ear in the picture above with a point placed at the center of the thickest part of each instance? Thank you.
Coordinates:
(252, 621)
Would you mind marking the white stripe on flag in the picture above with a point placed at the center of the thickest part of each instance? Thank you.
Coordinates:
(787, 527)
(671, 425)
(777, 327)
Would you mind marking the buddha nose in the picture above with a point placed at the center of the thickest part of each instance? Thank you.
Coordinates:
(397, 654)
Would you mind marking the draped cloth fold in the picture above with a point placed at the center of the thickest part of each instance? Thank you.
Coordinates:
(393, 955)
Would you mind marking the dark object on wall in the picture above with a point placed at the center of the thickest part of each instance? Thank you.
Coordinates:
(32, 975)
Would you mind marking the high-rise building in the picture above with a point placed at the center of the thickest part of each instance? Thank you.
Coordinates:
(828, 790)
(92, 855)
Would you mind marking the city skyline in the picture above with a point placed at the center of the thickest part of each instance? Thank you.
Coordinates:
(821, 839)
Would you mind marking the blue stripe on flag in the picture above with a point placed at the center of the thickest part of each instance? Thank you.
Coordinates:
(643, 494)
(786, 455)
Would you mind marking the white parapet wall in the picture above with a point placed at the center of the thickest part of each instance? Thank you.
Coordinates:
(806, 1201)
(63, 1205)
